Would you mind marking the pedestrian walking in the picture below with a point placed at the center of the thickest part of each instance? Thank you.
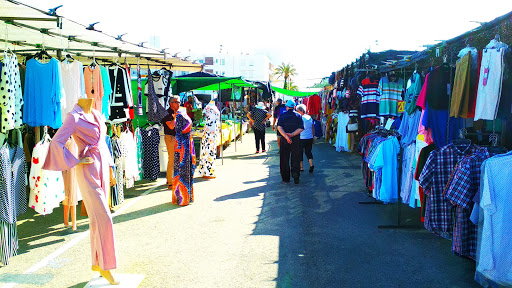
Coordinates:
(280, 108)
(289, 126)
(307, 138)
(258, 118)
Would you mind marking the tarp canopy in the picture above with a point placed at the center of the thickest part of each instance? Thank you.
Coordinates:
(26, 30)
(293, 93)
(206, 81)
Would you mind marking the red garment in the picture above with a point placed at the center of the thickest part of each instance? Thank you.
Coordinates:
(472, 96)
(189, 105)
(314, 105)
(305, 101)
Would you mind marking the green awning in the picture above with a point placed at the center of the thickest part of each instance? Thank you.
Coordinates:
(293, 93)
(185, 84)
(228, 84)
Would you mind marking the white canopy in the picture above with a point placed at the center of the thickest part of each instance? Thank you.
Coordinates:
(27, 30)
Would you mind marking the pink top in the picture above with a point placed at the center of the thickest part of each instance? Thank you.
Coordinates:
(94, 86)
(422, 98)
(89, 137)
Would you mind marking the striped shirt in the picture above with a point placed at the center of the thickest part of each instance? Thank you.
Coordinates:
(369, 98)
(389, 95)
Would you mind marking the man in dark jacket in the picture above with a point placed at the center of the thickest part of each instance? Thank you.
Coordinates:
(289, 126)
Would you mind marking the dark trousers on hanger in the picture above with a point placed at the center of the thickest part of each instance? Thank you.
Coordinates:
(259, 136)
(290, 152)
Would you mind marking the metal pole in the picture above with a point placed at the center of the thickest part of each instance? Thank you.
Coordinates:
(221, 138)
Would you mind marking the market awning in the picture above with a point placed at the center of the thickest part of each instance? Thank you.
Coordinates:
(293, 93)
(207, 82)
(29, 30)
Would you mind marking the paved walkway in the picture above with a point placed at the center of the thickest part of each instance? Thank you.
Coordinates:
(248, 229)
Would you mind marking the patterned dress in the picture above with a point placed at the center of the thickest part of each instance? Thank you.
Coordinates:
(184, 162)
(13, 200)
(208, 142)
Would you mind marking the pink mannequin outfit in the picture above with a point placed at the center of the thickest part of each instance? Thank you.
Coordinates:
(93, 179)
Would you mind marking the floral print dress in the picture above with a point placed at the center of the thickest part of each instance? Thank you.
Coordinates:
(184, 162)
(209, 142)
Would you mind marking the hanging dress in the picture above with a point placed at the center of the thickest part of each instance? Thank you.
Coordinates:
(156, 112)
(151, 159)
(46, 187)
(209, 142)
(184, 162)
(11, 99)
(342, 136)
(13, 200)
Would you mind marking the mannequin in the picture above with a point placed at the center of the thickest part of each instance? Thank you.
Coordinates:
(87, 127)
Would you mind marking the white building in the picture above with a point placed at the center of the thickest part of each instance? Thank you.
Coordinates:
(250, 67)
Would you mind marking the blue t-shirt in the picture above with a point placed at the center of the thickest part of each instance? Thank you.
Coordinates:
(43, 94)
(386, 161)
(307, 133)
(437, 121)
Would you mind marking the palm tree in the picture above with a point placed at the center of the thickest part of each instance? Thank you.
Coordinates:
(292, 86)
(286, 71)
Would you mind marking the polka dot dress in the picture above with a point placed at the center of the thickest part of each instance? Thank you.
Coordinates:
(11, 99)
(151, 159)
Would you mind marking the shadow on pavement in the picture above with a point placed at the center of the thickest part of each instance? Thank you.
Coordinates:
(328, 239)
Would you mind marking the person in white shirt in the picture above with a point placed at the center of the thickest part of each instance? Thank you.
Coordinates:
(307, 138)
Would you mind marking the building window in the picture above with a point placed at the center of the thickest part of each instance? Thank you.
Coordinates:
(223, 62)
(216, 61)
(223, 73)
(201, 61)
(208, 70)
(208, 60)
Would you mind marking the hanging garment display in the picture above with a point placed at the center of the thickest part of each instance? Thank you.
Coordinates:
(11, 99)
(118, 148)
(162, 90)
(384, 161)
(139, 92)
(73, 84)
(43, 93)
(156, 112)
(341, 143)
(13, 199)
(459, 105)
(369, 97)
(46, 187)
(390, 92)
(129, 152)
(209, 141)
(138, 141)
(489, 84)
(414, 86)
(494, 241)
(434, 178)
(120, 94)
(151, 159)
(107, 92)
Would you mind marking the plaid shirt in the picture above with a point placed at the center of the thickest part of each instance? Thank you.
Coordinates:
(434, 178)
(460, 191)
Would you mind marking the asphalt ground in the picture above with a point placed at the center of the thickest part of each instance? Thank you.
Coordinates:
(247, 228)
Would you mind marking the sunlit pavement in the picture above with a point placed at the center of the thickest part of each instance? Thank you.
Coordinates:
(248, 229)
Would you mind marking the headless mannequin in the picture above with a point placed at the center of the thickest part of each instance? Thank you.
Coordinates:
(67, 210)
(86, 105)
